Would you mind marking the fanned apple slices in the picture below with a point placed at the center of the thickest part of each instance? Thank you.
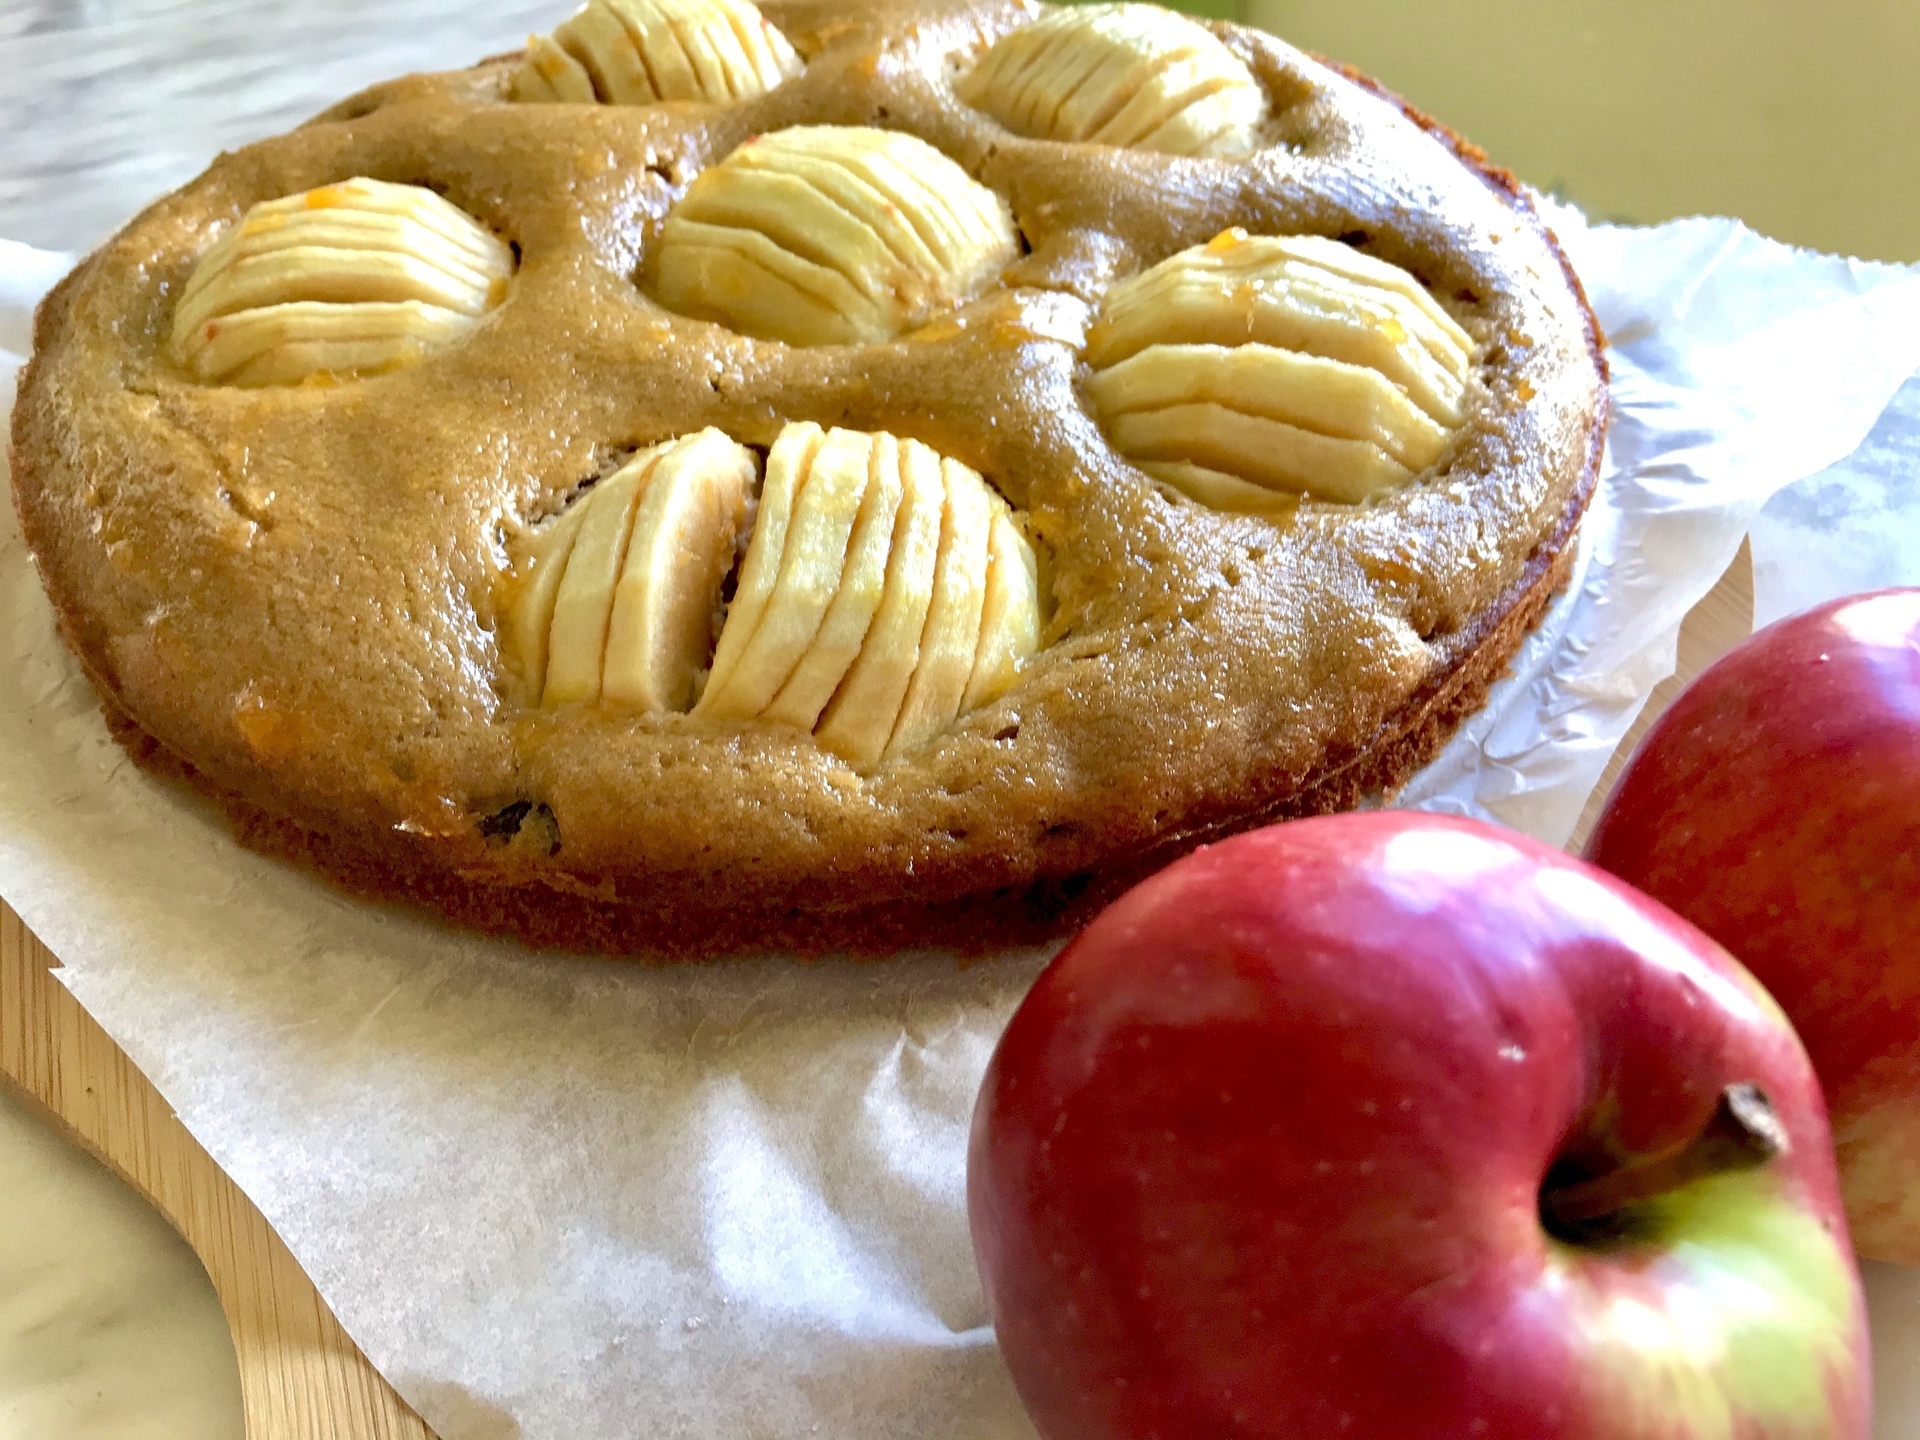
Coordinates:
(618, 600)
(886, 590)
(1129, 75)
(1253, 370)
(830, 234)
(349, 279)
(639, 52)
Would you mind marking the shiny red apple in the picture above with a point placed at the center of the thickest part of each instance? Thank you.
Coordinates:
(1397, 1127)
(1777, 806)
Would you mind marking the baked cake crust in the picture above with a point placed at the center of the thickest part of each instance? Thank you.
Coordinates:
(292, 595)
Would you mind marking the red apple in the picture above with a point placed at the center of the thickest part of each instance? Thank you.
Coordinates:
(1777, 806)
(1397, 1127)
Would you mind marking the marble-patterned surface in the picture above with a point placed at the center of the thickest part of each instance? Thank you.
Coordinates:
(108, 1327)
(107, 104)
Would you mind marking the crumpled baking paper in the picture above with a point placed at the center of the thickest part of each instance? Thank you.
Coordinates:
(573, 1200)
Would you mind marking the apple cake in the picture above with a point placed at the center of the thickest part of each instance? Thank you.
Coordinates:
(811, 478)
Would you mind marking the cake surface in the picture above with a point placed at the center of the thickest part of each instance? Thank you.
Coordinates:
(300, 594)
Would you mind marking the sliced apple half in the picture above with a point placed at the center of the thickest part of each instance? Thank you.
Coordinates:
(864, 233)
(639, 52)
(1128, 74)
(1288, 364)
(1302, 293)
(352, 278)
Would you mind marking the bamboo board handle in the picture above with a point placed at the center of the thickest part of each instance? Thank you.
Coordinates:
(301, 1378)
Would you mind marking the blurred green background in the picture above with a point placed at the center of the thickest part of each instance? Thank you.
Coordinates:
(1802, 117)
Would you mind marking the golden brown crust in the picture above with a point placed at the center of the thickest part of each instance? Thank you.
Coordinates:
(288, 592)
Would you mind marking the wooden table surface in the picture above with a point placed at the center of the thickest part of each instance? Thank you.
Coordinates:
(301, 1377)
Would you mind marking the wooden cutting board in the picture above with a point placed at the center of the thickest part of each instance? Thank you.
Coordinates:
(301, 1378)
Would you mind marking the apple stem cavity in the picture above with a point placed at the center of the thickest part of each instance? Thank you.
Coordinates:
(1743, 1133)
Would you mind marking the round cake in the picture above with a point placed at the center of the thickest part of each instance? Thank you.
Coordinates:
(811, 479)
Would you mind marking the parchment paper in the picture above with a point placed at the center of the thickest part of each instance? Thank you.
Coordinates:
(572, 1200)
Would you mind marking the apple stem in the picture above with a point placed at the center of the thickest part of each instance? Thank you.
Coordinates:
(1744, 1133)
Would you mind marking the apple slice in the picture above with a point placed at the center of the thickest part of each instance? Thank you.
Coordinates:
(785, 209)
(637, 52)
(1327, 397)
(363, 233)
(583, 604)
(712, 76)
(1182, 81)
(1044, 102)
(384, 197)
(963, 232)
(530, 609)
(842, 244)
(604, 45)
(1009, 615)
(690, 512)
(1212, 120)
(335, 276)
(951, 638)
(1128, 74)
(1263, 452)
(855, 603)
(793, 451)
(341, 252)
(741, 279)
(357, 277)
(814, 558)
(861, 717)
(1378, 276)
(765, 52)
(549, 74)
(1220, 492)
(283, 344)
(1290, 363)
(847, 188)
(671, 72)
(1302, 293)
(287, 220)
